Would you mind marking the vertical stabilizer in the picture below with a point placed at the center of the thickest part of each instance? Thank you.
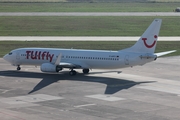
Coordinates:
(147, 42)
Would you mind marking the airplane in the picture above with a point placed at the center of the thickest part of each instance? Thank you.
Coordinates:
(55, 59)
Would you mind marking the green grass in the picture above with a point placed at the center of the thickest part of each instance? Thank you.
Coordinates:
(88, 7)
(7, 46)
(169, 1)
(88, 1)
(84, 26)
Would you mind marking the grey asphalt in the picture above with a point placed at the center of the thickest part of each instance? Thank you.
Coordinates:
(149, 92)
(89, 14)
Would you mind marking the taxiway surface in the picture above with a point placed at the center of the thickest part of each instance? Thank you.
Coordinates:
(150, 92)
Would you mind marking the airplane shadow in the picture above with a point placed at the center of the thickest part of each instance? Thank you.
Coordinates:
(113, 84)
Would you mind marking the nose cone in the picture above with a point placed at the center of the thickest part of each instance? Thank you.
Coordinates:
(6, 57)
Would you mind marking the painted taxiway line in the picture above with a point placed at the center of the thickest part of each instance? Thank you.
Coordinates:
(86, 105)
(81, 38)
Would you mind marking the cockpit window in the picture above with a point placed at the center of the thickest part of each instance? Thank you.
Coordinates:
(10, 53)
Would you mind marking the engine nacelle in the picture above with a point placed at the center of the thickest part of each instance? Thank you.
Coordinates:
(48, 67)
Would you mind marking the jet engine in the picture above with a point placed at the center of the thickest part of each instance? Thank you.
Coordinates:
(48, 67)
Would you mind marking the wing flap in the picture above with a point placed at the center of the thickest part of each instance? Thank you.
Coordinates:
(68, 65)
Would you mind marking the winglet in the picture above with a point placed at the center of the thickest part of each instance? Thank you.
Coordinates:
(164, 53)
(58, 59)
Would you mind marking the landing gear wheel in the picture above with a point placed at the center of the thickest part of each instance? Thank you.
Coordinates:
(85, 71)
(72, 72)
(18, 68)
(58, 69)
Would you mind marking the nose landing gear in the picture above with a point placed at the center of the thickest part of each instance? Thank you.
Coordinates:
(18, 68)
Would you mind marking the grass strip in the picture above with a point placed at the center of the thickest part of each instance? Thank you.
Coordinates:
(89, 7)
(7, 46)
(85, 26)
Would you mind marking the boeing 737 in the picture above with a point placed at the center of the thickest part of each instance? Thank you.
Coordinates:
(54, 60)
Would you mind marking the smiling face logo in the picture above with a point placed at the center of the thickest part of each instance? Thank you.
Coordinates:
(152, 45)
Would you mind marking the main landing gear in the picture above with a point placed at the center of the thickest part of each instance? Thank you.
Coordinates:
(73, 72)
(58, 69)
(85, 71)
(18, 67)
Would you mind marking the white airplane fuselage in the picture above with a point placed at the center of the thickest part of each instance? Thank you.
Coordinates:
(93, 59)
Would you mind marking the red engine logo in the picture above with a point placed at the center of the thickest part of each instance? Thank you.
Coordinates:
(152, 45)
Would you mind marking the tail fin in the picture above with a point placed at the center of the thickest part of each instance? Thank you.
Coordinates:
(147, 42)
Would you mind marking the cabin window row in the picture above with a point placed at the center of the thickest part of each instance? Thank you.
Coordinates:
(92, 58)
(80, 57)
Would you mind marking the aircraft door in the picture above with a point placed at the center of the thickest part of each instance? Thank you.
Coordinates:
(126, 60)
(18, 55)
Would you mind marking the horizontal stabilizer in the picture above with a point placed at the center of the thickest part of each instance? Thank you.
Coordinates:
(164, 53)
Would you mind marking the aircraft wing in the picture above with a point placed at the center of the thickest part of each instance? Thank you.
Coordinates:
(164, 53)
(68, 65)
(65, 64)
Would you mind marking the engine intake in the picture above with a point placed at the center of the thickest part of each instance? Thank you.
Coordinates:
(48, 67)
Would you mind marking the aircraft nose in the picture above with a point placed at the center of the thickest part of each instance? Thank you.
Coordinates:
(5, 57)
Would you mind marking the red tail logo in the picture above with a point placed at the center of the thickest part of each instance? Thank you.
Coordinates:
(152, 45)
